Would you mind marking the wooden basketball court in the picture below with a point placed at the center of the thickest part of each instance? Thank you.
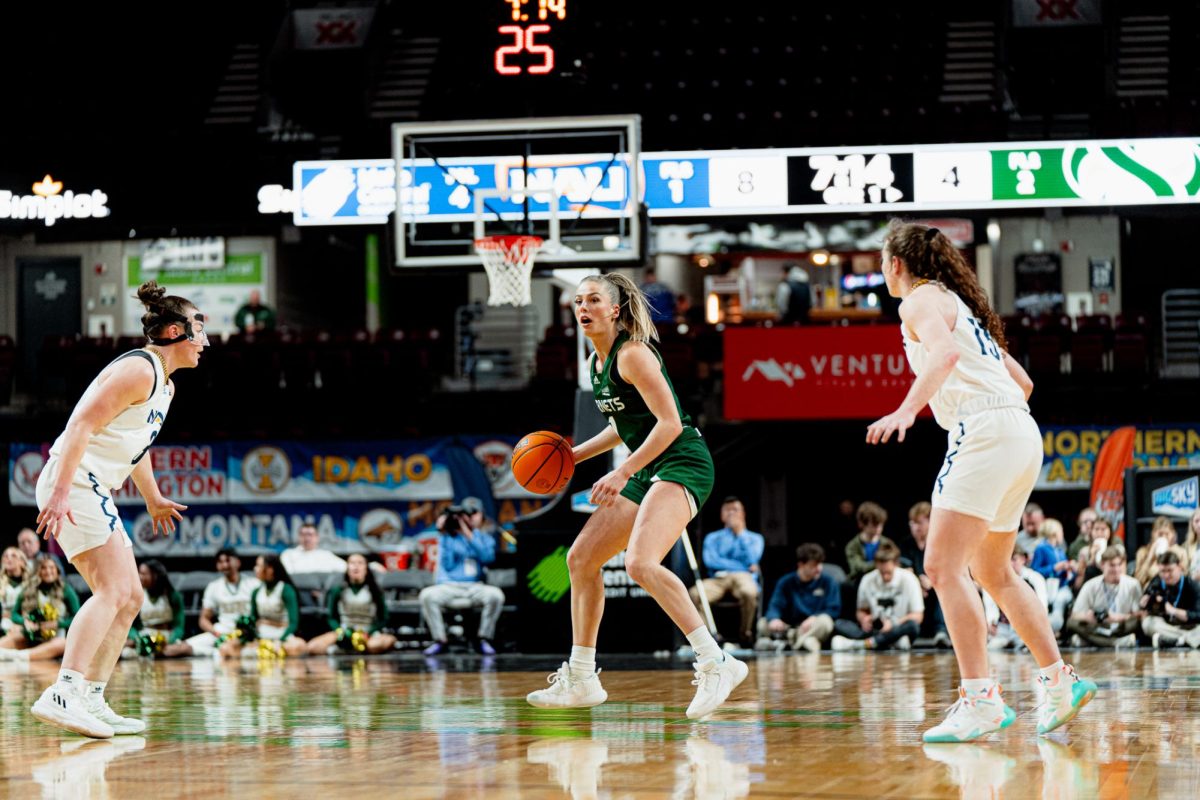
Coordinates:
(825, 726)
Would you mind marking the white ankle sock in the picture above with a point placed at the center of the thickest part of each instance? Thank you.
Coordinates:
(977, 686)
(73, 679)
(705, 645)
(1051, 671)
(96, 687)
(583, 661)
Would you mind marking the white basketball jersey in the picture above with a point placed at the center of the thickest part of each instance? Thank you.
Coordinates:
(114, 450)
(979, 380)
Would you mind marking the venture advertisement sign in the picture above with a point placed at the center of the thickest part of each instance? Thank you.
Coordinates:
(814, 373)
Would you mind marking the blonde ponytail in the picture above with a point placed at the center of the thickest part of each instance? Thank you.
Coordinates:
(634, 315)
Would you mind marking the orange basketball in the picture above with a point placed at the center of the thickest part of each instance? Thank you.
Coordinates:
(542, 462)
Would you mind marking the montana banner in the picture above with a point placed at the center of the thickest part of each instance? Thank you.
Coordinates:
(1108, 481)
(857, 372)
(1071, 452)
(362, 496)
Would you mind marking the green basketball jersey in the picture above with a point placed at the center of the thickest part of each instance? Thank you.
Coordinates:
(619, 400)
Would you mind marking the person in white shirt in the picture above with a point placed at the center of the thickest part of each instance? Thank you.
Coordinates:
(890, 607)
(1001, 633)
(307, 556)
(1107, 613)
(225, 601)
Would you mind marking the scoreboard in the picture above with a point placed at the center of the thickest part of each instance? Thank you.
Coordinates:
(901, 178)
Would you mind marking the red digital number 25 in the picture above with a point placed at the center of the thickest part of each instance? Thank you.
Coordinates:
(523, 40)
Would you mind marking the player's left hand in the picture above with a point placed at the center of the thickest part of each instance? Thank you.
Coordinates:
(897, 422)
(164, 512)
(606, 490)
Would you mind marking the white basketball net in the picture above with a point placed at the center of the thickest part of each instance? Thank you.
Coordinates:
(508, 261)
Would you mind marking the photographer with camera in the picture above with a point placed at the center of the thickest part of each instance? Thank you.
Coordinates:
(464, 548)
(1172, 605)
(890, 607)
(1107, 613)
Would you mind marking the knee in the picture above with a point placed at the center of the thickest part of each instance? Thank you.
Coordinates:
(640, 568)
(939, 573)
(133, 603)
(580, 561)
(993, 578)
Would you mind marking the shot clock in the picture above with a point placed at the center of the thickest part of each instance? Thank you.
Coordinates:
(526, 44)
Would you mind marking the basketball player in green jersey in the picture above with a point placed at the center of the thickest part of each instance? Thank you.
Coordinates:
(644, 504)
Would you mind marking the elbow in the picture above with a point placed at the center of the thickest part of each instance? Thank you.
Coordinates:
(674, 427)
(948, 359)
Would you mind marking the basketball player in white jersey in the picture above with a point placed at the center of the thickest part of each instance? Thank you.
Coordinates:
(106, 440)
(955, 344)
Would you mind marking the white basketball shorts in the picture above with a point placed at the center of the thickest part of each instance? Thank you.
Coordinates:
(95, 512)
(992, 463)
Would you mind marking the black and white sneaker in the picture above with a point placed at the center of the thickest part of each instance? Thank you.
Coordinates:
(63, 707)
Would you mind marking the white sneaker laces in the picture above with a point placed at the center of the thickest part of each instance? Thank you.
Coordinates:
(702, 675)
(562, 679)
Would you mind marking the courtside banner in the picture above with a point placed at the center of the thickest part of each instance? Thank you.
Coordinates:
(815, 372)
(1071, 451)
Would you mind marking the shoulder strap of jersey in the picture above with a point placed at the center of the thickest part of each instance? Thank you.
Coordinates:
(153, 365)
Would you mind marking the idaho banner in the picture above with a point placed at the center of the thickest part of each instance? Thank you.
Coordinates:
(1071, 452)
(363, 496)
(814, 373)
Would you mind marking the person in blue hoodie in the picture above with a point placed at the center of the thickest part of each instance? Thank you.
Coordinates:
(803, 606)
(464, 549)
(1051, 562)
(731, 556)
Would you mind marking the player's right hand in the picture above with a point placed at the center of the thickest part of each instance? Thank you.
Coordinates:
(50, 518)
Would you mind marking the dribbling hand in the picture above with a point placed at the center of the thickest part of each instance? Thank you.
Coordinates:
(164, 512)
(50, 519)
(897, 422)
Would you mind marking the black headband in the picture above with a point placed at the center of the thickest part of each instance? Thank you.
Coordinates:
(930, 234)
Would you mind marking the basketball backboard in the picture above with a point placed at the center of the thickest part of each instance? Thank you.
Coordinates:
(569, 180)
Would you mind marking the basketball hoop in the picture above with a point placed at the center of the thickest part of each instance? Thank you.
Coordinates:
(508, 261)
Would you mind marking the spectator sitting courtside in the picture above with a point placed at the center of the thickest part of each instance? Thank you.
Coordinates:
(860, 552)
(464, 549)
(890, 607)
(732, 555)
(1106, 612)
(41, 615)
(803, 606)
(1031, 522)
(254, 316)
(1172, 605)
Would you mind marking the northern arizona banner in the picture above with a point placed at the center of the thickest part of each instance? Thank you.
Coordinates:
(814, 372)
(1071, 452)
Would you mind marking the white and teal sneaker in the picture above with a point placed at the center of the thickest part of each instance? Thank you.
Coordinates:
(972, 717)
(1066, 695)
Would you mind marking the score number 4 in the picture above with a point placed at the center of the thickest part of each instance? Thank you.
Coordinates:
(523, 40)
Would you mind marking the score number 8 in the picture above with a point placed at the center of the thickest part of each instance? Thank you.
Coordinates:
(523, 40)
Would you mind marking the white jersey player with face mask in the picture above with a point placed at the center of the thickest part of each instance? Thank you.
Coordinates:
(978, 393)
(107, 440)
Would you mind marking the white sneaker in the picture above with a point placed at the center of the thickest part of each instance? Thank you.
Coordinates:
(100, 709)
(972, 717)
(568, 691)
(714, 681)
(1126, 641)
(1066, 695)
(903, 643)
(811, 643)
(8, 654)
(1076, 641)
(941, 639)
(63, 707)
(841, 644)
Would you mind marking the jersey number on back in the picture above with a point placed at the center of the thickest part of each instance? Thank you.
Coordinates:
(987, 345)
